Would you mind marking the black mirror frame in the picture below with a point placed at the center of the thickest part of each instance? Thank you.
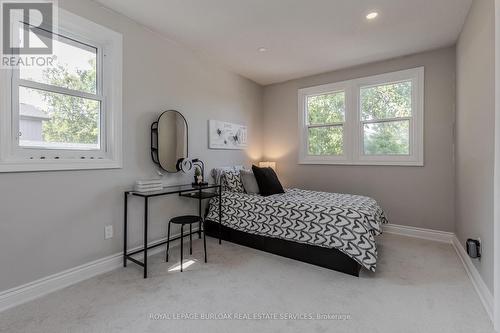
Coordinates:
(154, 142)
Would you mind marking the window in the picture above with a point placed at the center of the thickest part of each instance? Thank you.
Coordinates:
(325, 124)
(375, 120)
(67, 115)
(60, 107)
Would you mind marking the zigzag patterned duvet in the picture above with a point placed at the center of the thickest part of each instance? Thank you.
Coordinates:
(341, 221)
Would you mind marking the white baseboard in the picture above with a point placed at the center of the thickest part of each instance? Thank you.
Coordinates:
(482, 290)
(429, 234)
(27, 292)
(30, 291)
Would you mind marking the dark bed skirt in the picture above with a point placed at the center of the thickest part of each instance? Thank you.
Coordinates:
(320, 256)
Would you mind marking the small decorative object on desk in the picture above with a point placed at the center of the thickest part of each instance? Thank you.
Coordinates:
(148, 185)
(199, 173)
(198, 178)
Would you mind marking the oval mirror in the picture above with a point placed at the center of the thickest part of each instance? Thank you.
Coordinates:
(172, 140)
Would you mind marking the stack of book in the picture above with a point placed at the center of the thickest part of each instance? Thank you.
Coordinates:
(148, 185)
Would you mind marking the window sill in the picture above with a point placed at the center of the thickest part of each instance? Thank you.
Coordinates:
(375, 163)
(59, 165)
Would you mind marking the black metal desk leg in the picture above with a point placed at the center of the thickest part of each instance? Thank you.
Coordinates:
(204, 241)
(146, 237)
(199, 213)
(182, 243)
(220, 215)
(125, 230)
(190, 239)
(168, 240)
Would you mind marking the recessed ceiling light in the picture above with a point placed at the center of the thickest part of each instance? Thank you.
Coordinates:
(262, 49)
(371, 16)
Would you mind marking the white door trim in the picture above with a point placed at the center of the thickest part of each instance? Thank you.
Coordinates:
(496, 242)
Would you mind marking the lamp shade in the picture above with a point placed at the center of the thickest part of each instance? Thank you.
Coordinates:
(271, 165)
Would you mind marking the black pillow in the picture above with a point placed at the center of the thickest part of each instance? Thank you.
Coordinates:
(267, 180)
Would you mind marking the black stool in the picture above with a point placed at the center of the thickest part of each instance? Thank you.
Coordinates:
(183, 220)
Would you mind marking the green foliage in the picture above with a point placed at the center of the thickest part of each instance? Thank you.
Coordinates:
(197, 171)
(386, 101)
(383, 102)
(326, 109)
(388, 138)
(72, 119)
(326, 140)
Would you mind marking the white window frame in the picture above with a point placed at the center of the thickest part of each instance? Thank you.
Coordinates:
(304, 131)
(15, 158)
(353, 126)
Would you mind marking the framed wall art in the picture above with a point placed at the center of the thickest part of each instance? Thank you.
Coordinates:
(224, 135)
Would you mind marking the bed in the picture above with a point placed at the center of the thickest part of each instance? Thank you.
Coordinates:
(332, 230)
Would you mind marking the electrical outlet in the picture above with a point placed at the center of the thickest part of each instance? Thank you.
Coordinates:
(108, 232)
(480, 248)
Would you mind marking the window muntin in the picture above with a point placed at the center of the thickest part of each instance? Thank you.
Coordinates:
(381, 124)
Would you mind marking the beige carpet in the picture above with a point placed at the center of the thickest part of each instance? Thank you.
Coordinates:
(420, 286)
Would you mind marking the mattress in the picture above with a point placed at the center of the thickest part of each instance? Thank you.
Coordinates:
(348, 223)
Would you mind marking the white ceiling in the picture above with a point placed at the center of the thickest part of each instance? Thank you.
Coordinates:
(302, 37)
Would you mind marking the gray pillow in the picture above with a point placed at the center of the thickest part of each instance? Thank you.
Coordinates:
(249, 182)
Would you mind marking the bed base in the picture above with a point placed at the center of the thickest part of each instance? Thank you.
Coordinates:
(319, 256)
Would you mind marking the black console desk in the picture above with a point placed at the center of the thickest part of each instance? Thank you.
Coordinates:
(188, 191)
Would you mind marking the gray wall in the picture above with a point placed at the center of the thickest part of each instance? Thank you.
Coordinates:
(52, 221)
(414, 196)
(475, 132)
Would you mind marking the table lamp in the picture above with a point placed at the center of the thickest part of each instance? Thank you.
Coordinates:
(268, 164)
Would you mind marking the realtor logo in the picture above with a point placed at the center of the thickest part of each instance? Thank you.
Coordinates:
(22, 22)
(27, 32)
